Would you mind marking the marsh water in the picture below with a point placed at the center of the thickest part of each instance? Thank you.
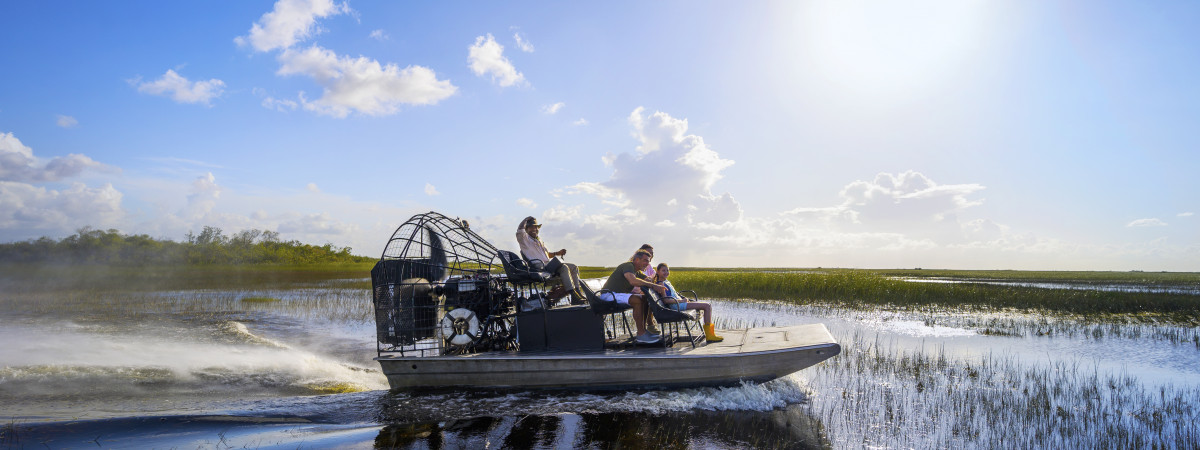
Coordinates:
(290, 366)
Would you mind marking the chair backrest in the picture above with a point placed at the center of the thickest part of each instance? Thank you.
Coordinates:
(660, 311)
(600, 305)
(517, 270)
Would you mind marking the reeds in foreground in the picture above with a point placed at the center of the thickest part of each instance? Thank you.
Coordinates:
(878, 395)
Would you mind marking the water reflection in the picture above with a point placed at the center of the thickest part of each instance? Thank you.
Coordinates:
(792, 427)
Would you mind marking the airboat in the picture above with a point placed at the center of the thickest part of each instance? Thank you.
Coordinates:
(454, 311)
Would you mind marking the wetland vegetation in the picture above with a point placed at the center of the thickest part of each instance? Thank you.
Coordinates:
(949, 364)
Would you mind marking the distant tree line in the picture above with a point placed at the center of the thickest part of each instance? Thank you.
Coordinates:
(211, 246)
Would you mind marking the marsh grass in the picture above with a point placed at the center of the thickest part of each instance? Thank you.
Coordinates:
(876, 394)
(864, 289)
(259, 299)
(57, 278)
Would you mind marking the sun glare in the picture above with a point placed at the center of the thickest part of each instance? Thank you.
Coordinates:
(888, 49)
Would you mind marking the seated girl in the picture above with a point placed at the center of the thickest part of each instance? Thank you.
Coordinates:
(677, 302)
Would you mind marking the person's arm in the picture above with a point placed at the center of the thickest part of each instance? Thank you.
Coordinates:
(638, 282)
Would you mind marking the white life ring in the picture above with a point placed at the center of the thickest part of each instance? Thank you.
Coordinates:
(460, 327)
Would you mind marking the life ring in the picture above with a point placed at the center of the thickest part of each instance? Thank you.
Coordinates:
(460, 327)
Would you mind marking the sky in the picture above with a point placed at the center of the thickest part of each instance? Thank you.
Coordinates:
(962, 134)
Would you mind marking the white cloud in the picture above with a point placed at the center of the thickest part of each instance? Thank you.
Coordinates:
(17, 163)
(1151, 222)
(526, 203)
(1185, 214)
(203, 198)
(317, 224)
(431, 190)
(27, 209)
(281, 105)
(379, 35)
(290, 22)
(580, 122)
(181, 89)
(668, 164)
(362, 84)
(312, 187)
(553, 109)
(523, 44)
(66, 121)
(486, 57)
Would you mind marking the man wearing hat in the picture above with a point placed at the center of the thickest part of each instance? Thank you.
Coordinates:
(534, 250)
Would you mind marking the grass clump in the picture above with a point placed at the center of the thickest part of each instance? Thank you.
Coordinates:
(259, 299)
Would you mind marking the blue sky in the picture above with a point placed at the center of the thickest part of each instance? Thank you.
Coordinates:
(957, 134)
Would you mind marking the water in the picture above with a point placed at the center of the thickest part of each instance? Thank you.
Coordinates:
(208, 369)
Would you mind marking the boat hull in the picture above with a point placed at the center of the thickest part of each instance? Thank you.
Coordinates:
(759, 354)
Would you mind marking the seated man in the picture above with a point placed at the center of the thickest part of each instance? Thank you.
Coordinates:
(624, 279)
(534, 250)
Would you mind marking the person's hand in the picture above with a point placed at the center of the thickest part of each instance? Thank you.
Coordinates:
(636, 291)
(660, 288)
(562, 252)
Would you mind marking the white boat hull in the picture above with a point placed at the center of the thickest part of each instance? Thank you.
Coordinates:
(758, 354)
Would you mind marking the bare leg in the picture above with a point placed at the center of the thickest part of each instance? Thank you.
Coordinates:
(707, 308)
(639, 311)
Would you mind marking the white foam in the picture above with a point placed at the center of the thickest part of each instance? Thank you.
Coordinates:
(32, 354)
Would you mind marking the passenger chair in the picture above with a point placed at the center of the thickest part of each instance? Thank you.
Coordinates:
(602, 307)
(670, 319)
(525, 279)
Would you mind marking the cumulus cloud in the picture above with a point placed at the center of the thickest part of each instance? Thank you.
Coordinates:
(670, 174)
(1151, 222)
(431, 190)
(362, 84)
(554, 108)
(379, 35)
(522, 43)
(580, 122)
(486, 57)
(908, 204)
(66, 121)
(25, 207)
(527, 203)
(181, 89)
(203, 197)
(1185, 214)
(312, 187)
(17, 163)
(291, 21)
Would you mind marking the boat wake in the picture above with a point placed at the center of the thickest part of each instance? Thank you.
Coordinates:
(69, 362)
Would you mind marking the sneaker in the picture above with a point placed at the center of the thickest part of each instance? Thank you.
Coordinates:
(648, 339)
(650, 328)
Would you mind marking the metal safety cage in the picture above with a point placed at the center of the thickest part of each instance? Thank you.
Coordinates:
(437, 290)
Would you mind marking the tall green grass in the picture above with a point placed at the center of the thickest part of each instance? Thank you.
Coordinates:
(857, 289)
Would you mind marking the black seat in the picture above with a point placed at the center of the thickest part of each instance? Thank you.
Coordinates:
(602, 307)
(518, 271)
(670, 317)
